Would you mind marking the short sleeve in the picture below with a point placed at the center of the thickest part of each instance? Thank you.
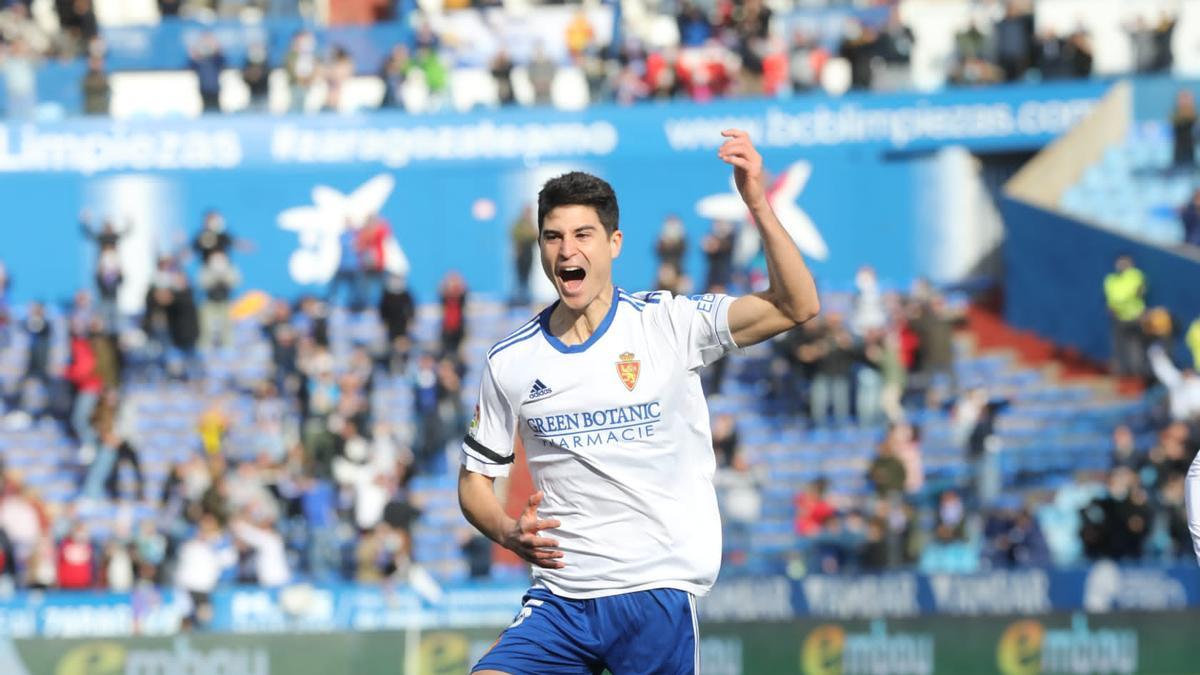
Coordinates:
(488, 445)
(699, 325)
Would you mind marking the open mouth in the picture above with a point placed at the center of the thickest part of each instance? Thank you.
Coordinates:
(572, 278)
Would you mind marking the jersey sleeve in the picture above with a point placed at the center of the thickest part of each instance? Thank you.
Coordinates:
(488, 446)
(699, 325)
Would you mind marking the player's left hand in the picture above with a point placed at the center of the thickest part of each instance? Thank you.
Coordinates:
(739, 151)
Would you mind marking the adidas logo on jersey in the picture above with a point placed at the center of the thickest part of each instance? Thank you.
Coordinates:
(539, 390)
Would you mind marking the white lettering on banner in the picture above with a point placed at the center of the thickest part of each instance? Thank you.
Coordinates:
(397, 147)
(899, 127)
(881, 653)
(1082, 650)
(118, 149)
(87, 621)
(863, 597)
(1026, 592)
(721, 655)
(18, 622)
(768, 599)
(1108, 587)
(182, 658)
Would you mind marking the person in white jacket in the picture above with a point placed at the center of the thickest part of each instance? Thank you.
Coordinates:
(1183, 386)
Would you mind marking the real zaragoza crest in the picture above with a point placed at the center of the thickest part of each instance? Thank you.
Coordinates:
(628, 369)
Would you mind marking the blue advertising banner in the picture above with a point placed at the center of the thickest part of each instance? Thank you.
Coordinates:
(1103, 588)
(451, 185)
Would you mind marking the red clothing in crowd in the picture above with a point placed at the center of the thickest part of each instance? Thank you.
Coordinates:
(811, 514)
(372, 239)
(81, 371)
(75, 563)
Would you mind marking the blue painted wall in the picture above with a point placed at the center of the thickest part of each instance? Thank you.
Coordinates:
(1054, 271)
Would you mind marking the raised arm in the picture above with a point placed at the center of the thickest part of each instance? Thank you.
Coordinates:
(791, 297)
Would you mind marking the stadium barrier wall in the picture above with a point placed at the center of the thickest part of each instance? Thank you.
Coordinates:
(1054, 268)
(1126, 643)
(1100, 589)
(451, 185)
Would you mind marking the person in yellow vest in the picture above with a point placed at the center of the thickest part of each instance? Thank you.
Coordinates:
(1124, 293)
(1192, 338)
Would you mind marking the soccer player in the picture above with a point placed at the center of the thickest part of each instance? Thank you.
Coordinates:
(1192, 503)
(603, 387)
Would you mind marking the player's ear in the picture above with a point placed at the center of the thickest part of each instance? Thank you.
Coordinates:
(614, 242)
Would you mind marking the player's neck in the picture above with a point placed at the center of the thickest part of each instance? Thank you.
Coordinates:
(576, 327)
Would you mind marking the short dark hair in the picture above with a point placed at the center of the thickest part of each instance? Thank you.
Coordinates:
(579, 189)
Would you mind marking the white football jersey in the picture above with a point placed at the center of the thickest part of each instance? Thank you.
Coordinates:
(616, 431)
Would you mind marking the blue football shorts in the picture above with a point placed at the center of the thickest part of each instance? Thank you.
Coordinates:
(640, 633)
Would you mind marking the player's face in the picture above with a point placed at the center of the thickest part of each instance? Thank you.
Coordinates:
(577, 254)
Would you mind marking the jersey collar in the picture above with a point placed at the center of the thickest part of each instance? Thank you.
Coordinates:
(558, 344)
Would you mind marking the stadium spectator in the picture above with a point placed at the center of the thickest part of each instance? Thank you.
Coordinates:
(579, 34)
(371, 242)
(256, 74)
(813, 509)
(951, 524)
(303, 68)
(116, 566)
(271, 568)
(213, 237)
(453, 298)
(524, 235)
(1189, 217)
(156, 322)
(1143, 43)
(869, 310)
(1183, 386)
(1192, 340)
(1013, 37)
(206, 60)
(41, 568)
(806, 60)
(718, 247)
(397, 310)
(501, 69)
(835, 355)
(82, 374)
(739, 487)
(934, 324)
(725, 439)
(1125, 452)
(1183, 127)
(184, 325)
(97, 93)
(541, 72)
(427, 397)
(39, 332)
(394, 74)
(109, 278)
(887, 473)
(1013, 538)
(1116, 524)
(76, 560)
(437, 76)
(202, 559)
(337, 72)
(106, 238)
(671, 245)
(18, 65)
(218, 280)
(1124, 293)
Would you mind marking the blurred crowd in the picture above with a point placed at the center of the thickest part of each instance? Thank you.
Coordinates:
(715, 50)
(315, 483)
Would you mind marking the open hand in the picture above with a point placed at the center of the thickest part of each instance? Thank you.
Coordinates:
(747, 164)
(524, 540)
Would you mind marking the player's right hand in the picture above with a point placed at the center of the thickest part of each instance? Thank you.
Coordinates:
(525, 541)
